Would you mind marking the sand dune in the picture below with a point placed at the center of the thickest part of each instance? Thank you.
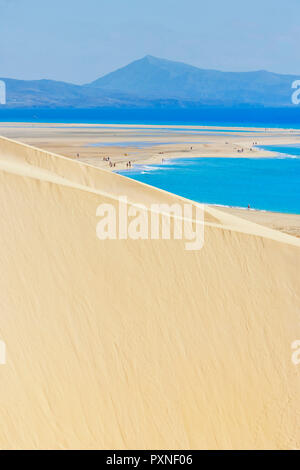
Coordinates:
(139, 344)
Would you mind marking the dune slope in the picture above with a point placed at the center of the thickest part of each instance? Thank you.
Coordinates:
(136, 343)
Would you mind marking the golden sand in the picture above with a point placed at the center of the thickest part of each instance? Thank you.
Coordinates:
(139, 344)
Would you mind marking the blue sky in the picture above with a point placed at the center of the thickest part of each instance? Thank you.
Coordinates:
(81, 40)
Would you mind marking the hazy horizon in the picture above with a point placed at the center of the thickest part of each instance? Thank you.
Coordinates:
(79, 42)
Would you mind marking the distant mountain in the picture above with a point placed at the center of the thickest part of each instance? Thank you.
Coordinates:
(156, 83)
(154, 78)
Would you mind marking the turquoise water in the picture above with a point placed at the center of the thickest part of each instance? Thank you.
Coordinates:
(291, 150)
(237, 117)
(266, 184)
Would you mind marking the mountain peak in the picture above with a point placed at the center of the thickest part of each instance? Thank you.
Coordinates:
(155, 78)
(151, 59)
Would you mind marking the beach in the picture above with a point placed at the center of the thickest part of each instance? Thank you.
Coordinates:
(137, 344)
(288, 223)
(150, 144)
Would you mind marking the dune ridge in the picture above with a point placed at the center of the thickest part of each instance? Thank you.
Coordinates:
(138, 343)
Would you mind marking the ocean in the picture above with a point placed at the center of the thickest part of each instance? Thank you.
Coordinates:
(271, 184)
(238, 117)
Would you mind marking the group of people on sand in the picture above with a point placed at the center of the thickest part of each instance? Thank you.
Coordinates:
(242, 150)
(113, 164)
(107, 159)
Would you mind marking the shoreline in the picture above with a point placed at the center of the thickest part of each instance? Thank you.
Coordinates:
(252, 214)
(85, 143)
(263, 153)
(282, 221)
